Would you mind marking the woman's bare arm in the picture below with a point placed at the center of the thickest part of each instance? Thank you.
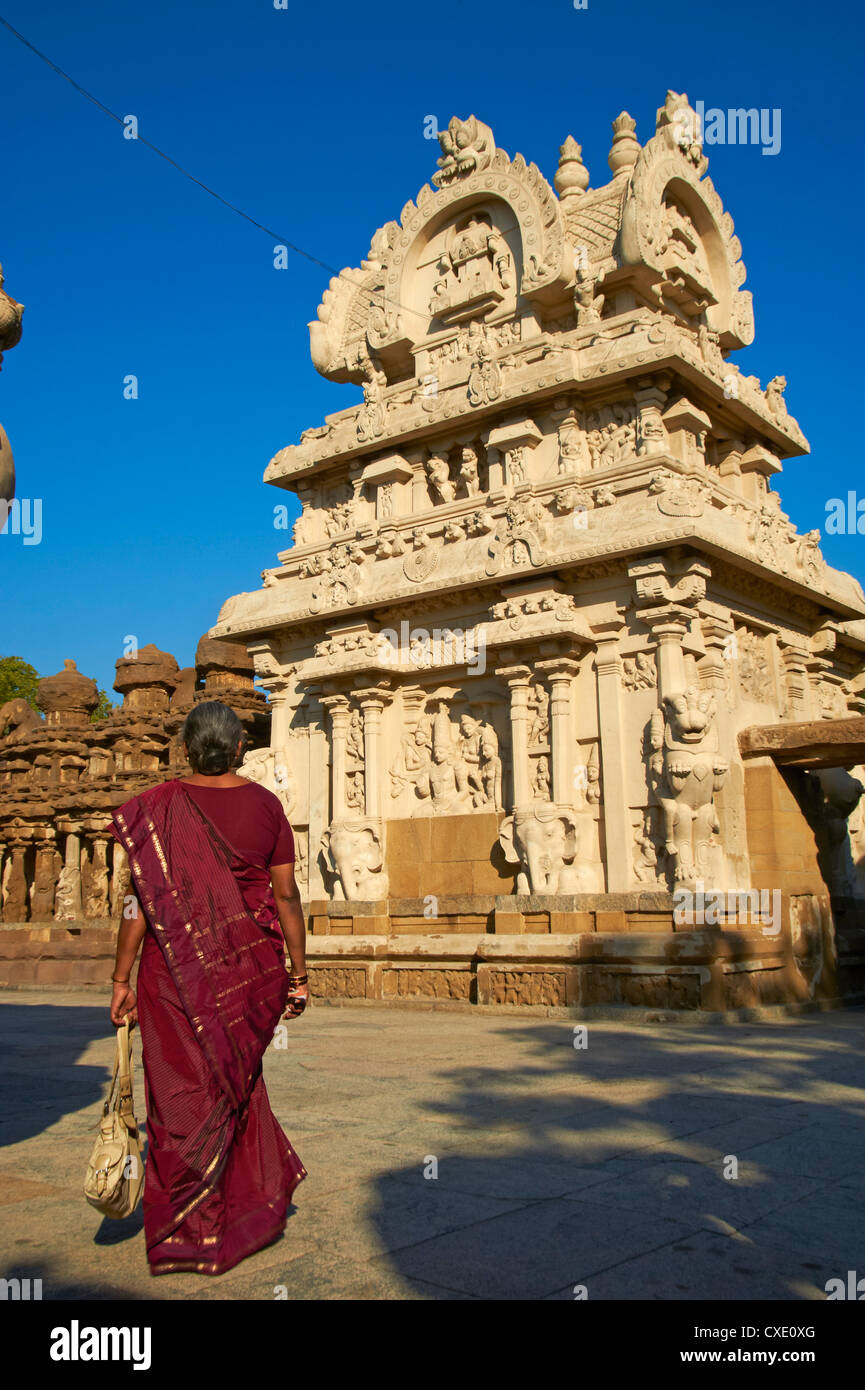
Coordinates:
(129, 938)
(287, 896)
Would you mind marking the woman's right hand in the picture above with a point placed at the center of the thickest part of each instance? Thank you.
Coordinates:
(123, 1005)
(297, 1000)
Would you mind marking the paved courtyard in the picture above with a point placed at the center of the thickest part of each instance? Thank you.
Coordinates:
(557, 1167)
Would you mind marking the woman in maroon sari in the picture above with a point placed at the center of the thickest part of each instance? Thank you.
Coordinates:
(212, 861)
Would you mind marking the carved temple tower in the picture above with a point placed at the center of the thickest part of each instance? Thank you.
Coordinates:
(539, 586)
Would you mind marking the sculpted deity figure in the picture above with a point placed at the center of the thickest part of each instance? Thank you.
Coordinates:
(370, 421)
(501, 258)
(411, 765)
(517, 465)
(539, 729)
(469, 471)
(445, 779)
(687, 771)
(438, 473)
(541, 778)
(587, 304)
(479, 749)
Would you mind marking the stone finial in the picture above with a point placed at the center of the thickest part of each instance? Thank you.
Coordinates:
(625, 147)
(572, 176)
(184, 690)
(146, 680)
(223, 667)
(68, 698)
(10, 319)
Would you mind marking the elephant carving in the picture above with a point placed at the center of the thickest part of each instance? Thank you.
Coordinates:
(354, 852)
(687, 771)
(545, 841)
(18, 717)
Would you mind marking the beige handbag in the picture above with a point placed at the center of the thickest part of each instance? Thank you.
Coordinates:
(115, 1172)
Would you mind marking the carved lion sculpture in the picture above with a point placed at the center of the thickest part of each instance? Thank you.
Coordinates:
(687, 772)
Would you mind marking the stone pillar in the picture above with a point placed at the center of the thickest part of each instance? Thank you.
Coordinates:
(121, 879)
(372, 702)
(560, 674)
(96, 896)
(618, 831)
(795, 657)
(496, 469)
(44, 879)
(319, 811)
(668, 626)
(15, 904)
(67, 901)
(519, 683)
(339, 715)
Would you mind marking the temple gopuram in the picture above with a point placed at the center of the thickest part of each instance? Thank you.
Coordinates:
(564, 710)
(543, 605)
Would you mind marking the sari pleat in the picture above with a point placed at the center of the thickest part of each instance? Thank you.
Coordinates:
(212, 987)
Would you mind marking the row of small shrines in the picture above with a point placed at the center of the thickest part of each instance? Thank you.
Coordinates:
(62, 773)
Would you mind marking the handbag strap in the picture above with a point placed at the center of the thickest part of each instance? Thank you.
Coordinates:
(121, 1078)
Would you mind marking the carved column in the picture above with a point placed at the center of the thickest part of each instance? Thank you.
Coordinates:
(121, 879)
(615, 757)
(560, 674)
(795, 656)
(15, 904)
(372, 702)
(339, 717)
(44, 879)
(96, 879)
(67, 900)
(318, 796)
(519, 683)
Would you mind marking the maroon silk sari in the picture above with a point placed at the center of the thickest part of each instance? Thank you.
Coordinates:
(212, 987)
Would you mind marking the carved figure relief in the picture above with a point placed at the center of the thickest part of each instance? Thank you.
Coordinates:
(353, 851)
(639, 672)
(687, 770)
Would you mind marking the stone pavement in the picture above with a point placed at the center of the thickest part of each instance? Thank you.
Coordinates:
(557, 1167)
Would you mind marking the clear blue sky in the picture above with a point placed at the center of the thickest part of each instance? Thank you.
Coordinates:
(312, 120)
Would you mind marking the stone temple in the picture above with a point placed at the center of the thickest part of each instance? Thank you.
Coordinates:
(564, 708)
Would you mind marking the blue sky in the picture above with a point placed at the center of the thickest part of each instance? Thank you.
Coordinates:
(312, 120)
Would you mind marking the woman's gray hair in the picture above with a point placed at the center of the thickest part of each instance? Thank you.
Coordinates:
(211, 733)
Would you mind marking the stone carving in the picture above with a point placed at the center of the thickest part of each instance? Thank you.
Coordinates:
(543, 841)
(370, 420)
(353, 850)
(645, 850)
(755, 674)
(438, 474)
(687, 770)
(639, 672)
(467, 148)
(271, 768)
(539, 727)
(420, 563)
(775, 397)
(474, 271)
(587, 303)
(94, 879)
(469, 471)
(18, 718)
(485, 377)
(338, 575)
(611, 434)
(519, 537)
(541, 778)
